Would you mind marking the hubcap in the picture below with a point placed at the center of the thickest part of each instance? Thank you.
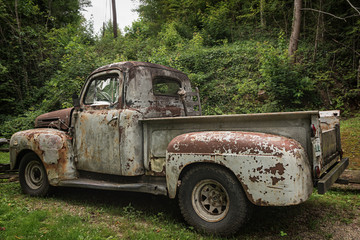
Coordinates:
(210, 200)
(34, 174)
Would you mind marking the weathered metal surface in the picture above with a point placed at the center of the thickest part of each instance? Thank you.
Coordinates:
(131, 145)
(139, 92)
(52, 146)
(97, 141)
(153, 188)
(159, 132)
(118, 148)
(273, 170)
(57, 119)
(325, 182)
(328, 137)
(329, 119)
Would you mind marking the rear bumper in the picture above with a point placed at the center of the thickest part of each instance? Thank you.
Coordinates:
(325, 182)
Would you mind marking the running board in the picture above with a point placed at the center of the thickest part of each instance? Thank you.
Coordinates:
(156, 189)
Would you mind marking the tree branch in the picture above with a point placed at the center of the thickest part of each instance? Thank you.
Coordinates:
(315, 10)
(353, 7)
(356, 52)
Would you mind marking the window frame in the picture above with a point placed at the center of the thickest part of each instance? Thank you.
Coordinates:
(102, 75)
(175, 80)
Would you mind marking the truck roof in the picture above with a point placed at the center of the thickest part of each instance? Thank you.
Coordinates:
(128, 65)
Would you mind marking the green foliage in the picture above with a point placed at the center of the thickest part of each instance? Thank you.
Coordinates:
(4, 157)
(288, 85)
(170, 36)
(19, 123)
(238, 65)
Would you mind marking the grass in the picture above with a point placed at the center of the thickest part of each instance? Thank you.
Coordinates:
(350, 140)
(93, 214)
(4, 158)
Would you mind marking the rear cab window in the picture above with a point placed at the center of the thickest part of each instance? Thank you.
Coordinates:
(166, 86)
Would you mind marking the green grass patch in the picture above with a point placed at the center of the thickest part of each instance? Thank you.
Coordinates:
(23, 217)
(350, 140)
(4, 158)
(91, 214)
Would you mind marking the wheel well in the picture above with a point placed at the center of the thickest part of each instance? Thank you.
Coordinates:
(189, 166)
(20, 156)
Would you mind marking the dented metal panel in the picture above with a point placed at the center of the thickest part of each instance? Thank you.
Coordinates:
(273, 170)
(53, 147)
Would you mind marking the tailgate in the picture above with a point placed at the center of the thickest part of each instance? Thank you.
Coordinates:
(332, 163)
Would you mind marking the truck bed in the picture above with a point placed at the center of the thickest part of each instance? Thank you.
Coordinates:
(158, 132)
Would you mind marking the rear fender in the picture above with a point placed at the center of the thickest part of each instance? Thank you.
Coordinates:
(273, 170)
(52, 146)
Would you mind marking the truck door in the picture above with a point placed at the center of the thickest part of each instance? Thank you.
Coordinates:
(97, 139)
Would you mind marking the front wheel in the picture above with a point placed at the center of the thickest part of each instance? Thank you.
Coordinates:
(212, 200)
(32, 175)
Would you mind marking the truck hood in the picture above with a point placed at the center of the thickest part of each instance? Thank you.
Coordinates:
(60, 119)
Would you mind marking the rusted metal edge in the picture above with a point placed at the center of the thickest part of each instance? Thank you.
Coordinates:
(325, 183)
(289, 115)
(156, 189)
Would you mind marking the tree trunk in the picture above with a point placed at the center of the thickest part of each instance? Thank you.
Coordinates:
(358, 76)
(25, 73)
(295, 32)
(262, 19)
(318, 35)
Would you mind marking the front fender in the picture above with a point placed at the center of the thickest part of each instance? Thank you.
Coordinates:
(52, 146)
(273, 170)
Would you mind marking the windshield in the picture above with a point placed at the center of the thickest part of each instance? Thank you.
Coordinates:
(103, 90)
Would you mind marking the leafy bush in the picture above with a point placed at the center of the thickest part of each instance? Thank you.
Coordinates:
(289, 85)
(19, 123)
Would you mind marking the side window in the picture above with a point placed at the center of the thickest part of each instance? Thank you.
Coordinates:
(103, 90)
(166, 86)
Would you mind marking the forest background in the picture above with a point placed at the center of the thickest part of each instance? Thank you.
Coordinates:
(234, 51)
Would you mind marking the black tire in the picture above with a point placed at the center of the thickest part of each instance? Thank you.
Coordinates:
(212, 200)
(32, 175)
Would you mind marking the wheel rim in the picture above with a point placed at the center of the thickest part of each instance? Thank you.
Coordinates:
(34, 174)
(210, 200)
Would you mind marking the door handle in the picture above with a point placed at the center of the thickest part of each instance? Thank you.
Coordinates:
(113, 119)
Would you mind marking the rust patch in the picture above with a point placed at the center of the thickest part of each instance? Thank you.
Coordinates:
(220, 142)
(261, 202)
(57, 119)
(275, 180)
(254, 178)
(279, 167)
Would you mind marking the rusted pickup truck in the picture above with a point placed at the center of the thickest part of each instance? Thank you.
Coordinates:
(138, 127)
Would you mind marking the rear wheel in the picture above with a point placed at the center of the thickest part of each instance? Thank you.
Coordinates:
(32, 175)
(212, 200)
